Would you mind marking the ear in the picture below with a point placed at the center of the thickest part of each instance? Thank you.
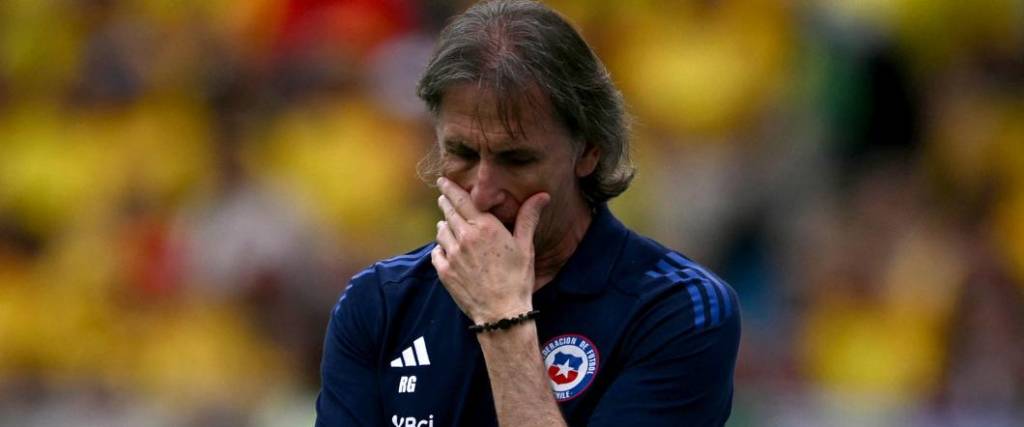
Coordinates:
(588, 161)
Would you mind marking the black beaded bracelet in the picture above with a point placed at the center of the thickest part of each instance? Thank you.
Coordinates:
(505, 323)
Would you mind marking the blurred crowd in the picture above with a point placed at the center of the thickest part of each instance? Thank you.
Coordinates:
(186, 185)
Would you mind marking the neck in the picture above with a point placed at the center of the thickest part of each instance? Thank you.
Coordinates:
(556, 252)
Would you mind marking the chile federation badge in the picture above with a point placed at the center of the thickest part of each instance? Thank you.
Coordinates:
(571, 362)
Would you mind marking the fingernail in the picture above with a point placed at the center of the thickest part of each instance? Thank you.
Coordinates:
(440, 180)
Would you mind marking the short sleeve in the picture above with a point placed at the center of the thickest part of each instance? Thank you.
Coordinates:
(348, 389)
(682, 357)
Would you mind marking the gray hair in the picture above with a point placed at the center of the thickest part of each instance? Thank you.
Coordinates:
(511, 46)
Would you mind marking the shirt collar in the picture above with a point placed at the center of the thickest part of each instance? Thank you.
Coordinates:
(588, 269)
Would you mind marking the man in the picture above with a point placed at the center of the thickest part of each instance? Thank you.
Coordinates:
(535, 306)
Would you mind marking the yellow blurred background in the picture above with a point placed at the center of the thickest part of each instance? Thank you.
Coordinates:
(186, 185)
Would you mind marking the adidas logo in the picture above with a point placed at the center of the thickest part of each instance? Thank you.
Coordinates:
(416, 355)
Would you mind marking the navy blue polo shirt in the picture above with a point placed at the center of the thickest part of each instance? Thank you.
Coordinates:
(631, 333)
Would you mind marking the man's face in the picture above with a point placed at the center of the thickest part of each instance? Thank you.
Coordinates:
(499, 171)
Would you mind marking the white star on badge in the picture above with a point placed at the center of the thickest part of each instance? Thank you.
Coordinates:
(563, 369)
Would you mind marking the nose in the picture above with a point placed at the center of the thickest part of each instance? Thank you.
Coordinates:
(486, 189)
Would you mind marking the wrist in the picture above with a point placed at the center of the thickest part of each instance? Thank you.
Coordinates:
(505, 341)
(504, 323)
(490, 316)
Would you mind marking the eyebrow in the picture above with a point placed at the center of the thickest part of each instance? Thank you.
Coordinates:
(501, 145)
(455, 142)
(514, 151)
(505, 147)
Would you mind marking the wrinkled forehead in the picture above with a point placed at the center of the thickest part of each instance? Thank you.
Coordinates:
(516, 113)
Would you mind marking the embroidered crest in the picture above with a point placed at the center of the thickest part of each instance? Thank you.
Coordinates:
(571, 362)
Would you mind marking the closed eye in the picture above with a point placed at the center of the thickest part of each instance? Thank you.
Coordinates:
(461, 151)
(516, 158)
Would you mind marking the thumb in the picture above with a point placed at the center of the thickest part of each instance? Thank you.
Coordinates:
(529, 216)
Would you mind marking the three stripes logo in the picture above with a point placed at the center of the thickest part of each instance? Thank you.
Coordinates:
(702, 285)
(414, 355)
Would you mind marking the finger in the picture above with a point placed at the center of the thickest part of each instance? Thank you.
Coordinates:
(456, 223)
(459, 198)
(437, 258)
(445, 238)
(529, 216)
